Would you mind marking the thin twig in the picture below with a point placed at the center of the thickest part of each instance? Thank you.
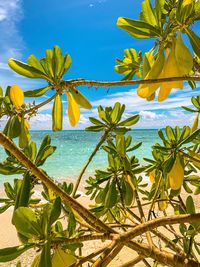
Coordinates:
(132, 262)
(102, 140)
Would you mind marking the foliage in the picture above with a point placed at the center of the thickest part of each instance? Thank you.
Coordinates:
(55, 224)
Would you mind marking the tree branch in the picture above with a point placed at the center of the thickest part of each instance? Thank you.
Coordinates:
(83, 82)
(148, 226)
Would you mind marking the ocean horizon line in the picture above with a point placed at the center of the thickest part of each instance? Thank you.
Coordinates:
(83, 130)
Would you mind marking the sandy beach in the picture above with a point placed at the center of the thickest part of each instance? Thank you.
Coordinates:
(9, 238)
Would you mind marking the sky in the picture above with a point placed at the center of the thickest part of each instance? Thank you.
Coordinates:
(86, 29)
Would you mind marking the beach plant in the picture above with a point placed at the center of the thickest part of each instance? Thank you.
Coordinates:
(124, 210)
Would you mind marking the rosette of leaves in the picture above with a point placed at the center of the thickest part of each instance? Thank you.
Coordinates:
(12, 194)
(12, 105)
(173, 157)
(110, 119)
(41, 229)
(165, 18)
(167, 21)
(51, 68)
(130, 65)
(115, 188)
(196, 103)
(20, 194)
(172, 166)
(70, 213)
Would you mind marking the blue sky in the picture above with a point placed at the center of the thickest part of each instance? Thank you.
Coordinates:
(87, 30)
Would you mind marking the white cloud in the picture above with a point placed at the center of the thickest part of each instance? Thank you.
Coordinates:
(12, 43)
(147, 114)
(136, 104)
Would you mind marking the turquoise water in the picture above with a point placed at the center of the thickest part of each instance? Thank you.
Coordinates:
(74, 148)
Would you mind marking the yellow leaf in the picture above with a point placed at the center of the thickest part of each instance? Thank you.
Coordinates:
(164, 203)
(170, 69)
(73, 110)
(176, 174)
(146, 90)
(16, 96)
(183, 57)
(62, 259)
(186, 2)
(152, 176)
(80, 98)
(195, 123)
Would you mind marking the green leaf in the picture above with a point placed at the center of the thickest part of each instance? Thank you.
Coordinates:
(67, 63)
(71, 223)
(95, 128)
(195, 102)
(57, 114)
(128, 194)
(169, 164)
(102, 113)
(192, 84)
(35, 63)
(189, 109)
(96, 122)
(130, 121)
(128, 140)
(161, 135)
(46, 141)
(16, 127)
(24, 135)
(111, 196)
(45, 258)
(138, 29)
(177, 132)
(187, 188)
(26, 222)
(10, 192)
(190, 205)
(115, 114)
(58, 62)
(32, 150)
(185, 133)
(159, 11)
(55, 211)
(37, 92)
(136, 146)
(47, 152)
(47, 62)
(5, 207)
(194, 40)
(13, 127)
(9, 170)
(147, 13)
(191, 137)
(170, 133)
(24, 193)
(120, 144)
(25, 70)
(11, 253)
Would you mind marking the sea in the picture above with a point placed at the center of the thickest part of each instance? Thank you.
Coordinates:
(74, 148)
